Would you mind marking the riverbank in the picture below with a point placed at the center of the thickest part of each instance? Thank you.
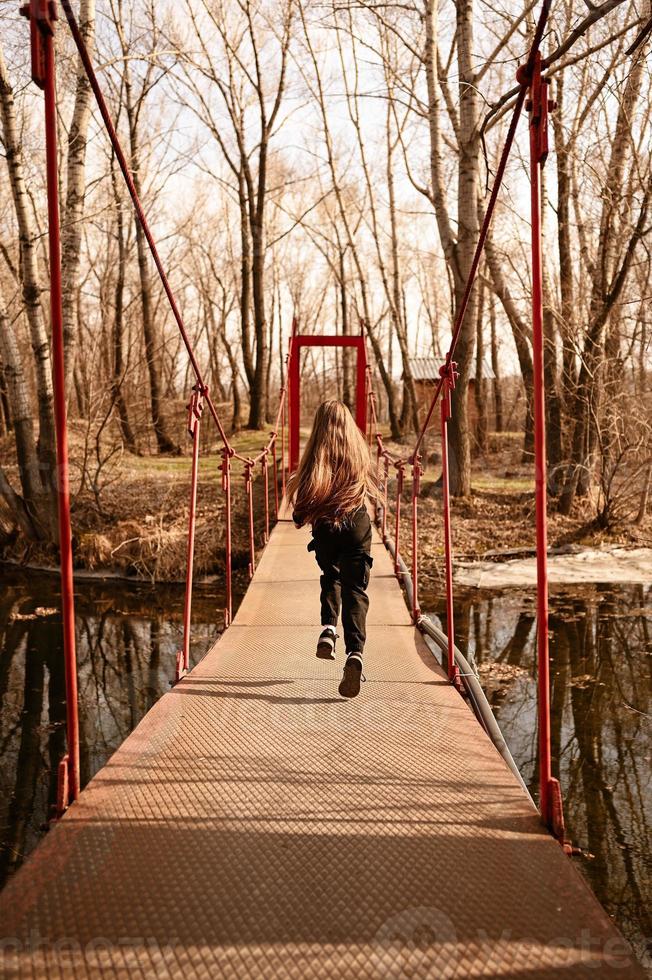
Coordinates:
(496, 525)
(136, 525)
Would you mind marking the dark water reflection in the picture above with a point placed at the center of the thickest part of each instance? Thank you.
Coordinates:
(127, 638)
(601, 649)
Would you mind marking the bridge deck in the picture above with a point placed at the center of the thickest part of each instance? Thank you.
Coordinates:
(257, 825)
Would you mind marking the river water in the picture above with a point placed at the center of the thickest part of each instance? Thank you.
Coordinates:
(128, 635)
(601, 687)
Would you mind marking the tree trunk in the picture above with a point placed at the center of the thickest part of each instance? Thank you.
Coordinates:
(607, 284)
(118, 363)
(258, 395)
(28, 510)
(495, 367)
(71, 225)
(553, 402)
(31, 295)
(566, 262)
(270, 410)
(6, 424)
(480, 385)
(164, 441)
(245, 282)
(519, 333)
(347, 396)
(467, 237)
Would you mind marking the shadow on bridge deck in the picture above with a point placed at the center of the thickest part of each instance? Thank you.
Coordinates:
(255, 824)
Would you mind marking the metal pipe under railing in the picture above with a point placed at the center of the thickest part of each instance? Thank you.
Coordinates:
(472, 686)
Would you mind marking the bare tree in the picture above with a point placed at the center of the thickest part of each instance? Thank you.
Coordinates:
(243, 55)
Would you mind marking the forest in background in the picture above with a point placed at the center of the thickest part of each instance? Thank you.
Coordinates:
(330, 163)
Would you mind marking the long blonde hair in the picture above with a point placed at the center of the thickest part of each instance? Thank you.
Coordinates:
(335, 473)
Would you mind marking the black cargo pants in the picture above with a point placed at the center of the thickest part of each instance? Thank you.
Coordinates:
(343, 554)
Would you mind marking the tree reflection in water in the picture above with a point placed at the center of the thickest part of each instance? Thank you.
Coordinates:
(601, 672)
(127, 638)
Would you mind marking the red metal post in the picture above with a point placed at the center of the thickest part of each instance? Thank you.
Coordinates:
(369, 409)
(249, 490)
(195, 409)
(361, 388)
(397, 528)
(283, 448)
(265, 469)
(42, 15)
(227, 452)
(377, 493)
(416, 487)
(385, 480)
(538, 106)
(275, 469)
(449, 373)
(294, 406)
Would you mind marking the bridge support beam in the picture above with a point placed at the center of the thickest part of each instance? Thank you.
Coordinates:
(42, 16)
(538, 106)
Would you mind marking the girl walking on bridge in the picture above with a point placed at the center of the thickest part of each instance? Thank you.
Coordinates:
(328, 492)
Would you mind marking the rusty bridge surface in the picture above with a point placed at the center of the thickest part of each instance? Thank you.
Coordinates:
(256, 824)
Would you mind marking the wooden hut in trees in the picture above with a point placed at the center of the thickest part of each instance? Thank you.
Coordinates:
(425, 371)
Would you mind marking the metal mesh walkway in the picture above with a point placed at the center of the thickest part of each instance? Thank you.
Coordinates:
(257, 825)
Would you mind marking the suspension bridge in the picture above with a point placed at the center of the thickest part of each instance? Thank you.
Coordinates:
(257, 824)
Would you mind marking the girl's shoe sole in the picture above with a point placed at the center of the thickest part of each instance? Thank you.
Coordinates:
(350, 683)
(325, 651)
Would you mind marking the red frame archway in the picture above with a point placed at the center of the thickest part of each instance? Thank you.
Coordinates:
(294, 382)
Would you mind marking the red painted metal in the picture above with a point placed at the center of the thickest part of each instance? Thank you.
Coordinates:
(195, 408)
(448, 374)
(63, 787)
(228, 570)
(416, 487)
(538, 105)
(369, 409)
(379, 456)
(385, 481)
(264, 467)
(360, 394)
(283, 449)
(275, 471)
(41, 17)
(249, 491)
(294, 382)
(397, 525)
